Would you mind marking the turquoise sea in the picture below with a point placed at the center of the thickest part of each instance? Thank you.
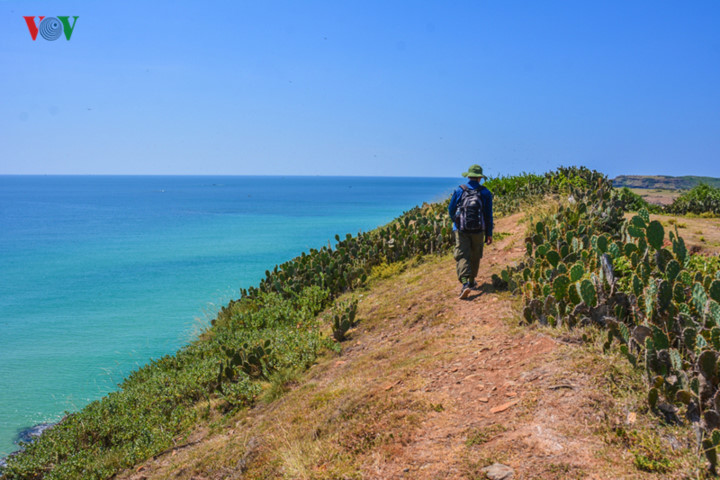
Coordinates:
(99, 274)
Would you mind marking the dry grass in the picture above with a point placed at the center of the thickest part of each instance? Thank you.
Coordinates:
(657, 196)
(701, 235)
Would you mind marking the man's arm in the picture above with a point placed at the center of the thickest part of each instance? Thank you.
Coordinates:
(452, 207)
(488, 214)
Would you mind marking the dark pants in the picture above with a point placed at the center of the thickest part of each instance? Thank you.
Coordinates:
(468, 252)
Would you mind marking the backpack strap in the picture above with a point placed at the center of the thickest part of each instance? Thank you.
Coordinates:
(464, 187)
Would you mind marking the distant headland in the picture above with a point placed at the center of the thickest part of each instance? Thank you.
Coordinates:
(663, 182)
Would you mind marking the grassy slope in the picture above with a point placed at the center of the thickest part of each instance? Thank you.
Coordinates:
(432, 387)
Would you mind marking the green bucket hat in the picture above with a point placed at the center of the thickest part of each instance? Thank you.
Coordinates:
(474, 171)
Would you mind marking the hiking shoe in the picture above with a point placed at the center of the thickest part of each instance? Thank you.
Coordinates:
(465, 291)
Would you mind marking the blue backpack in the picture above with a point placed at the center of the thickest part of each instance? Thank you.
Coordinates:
(469, 217)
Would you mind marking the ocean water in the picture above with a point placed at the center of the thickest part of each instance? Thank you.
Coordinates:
(99, 274)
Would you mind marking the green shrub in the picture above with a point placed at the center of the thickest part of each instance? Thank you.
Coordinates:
(632, 202)
(700, 200)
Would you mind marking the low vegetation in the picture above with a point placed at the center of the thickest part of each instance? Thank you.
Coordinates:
(701, 200)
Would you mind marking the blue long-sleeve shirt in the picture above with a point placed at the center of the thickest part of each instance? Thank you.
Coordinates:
(487, 198)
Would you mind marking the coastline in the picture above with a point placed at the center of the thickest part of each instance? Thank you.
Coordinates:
(26, 436)
(129, 254)
(222, 204)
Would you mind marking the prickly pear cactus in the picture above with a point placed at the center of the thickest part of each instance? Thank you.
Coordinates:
(576, 272)
(714, 290)
(672, 270)
(664, 295)
(655, 234)
(560, 286)
(553, 257)
(699, 298)
(587, 292)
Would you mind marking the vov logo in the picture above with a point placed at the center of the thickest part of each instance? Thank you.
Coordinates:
(51, 28)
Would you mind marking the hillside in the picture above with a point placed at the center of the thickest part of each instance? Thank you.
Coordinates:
(430, 387)
(663, 182)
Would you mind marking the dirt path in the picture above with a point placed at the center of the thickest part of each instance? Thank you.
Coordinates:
(500, 394)
(427, 387)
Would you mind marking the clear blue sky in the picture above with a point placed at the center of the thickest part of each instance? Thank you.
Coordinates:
(362, 87)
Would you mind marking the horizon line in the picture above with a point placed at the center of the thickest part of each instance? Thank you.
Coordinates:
(204, 175)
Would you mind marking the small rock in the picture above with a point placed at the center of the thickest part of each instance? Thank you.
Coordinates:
(631, 418)
(498, 471)
(30, 434)
(484, 399)
(503, 407)
(674, 442)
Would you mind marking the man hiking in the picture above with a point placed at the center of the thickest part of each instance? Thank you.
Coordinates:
(470, 210)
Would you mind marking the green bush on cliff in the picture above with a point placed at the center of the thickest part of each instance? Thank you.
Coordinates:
(162, 401)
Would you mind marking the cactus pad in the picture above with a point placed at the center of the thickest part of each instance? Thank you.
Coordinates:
(560, 286)
(714, 290)
(638, 221)
(655, 234)
(634, 231)
(664, 294)
(576, 272)
(573, 295)
(707, 364)
(553, 257)
(672, 269)
(713, 313)
(602, 243)
(676, 360)
(653, 396)
(699, 298)
(587, 292)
